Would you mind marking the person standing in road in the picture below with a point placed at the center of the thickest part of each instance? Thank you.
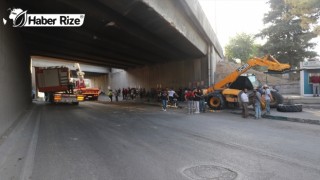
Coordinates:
(268, 97)
(189, 96)
(197, 96)
(164, 99)
(244, 101)
(202, 102)
(318, 85)
(315, 80)
(257, 103)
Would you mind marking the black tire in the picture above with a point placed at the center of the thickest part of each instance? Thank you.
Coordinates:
(216, 101)
(75, 103)
(277, 99)
(289, 107)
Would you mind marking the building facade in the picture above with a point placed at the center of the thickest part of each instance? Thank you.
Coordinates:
(310, 69)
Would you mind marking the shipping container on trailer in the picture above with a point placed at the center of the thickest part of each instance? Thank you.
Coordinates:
(55, 83)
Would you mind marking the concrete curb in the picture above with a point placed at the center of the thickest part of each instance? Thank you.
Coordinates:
(311, 106)
(300, 120)
(284, 118)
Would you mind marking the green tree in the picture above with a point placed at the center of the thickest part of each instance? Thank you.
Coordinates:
(241, 47)
(308, 11)
(287, 40)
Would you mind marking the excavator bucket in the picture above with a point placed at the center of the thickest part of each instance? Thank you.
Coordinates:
(274, 65)
(283, 72)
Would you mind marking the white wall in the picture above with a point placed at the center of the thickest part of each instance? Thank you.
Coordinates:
(15, 78)
(187, 73)
(99, 81)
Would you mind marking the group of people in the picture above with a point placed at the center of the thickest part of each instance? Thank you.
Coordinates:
(257, 101)
(127, 93)
(152, 94)
(168, 96)
(194, 98)
(116, 93)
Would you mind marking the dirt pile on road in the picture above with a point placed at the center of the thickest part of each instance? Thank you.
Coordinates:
(224, 68)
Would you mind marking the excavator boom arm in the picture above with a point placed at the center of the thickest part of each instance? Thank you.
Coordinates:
(266, 61)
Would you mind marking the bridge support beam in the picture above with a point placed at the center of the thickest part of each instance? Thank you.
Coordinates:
(15, 75)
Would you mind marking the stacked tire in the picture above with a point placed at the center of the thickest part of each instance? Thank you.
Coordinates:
(289, 107)
(277, 99)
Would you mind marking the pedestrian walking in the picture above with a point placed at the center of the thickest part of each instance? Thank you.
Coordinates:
(268, 97)
(244, 101)
(189, 97)
(164, 99)
(257, 103)
(117, 93)
(123, 94)
(110, 94)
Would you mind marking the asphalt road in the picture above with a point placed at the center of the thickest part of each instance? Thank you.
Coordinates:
(140, 142)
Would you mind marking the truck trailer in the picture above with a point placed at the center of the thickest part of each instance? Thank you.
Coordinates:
(55, 83)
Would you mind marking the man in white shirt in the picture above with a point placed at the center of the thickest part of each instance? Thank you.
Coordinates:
(268, 97)
(244, 101)
(171, 93)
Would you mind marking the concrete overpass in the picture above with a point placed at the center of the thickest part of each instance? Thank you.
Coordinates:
(154, 43)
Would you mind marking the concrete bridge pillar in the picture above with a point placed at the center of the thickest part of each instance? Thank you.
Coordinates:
(15, 75)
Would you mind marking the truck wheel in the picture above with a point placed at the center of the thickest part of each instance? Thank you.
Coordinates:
(216, 101)
(277, 99)
(75, 103)
(289, 107)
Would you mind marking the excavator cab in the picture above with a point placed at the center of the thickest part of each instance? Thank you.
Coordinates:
(248, 81)
(245, 81)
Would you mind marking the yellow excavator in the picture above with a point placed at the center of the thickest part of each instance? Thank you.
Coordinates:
(228, 90)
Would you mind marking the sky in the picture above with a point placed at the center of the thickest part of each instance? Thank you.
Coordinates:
(229, 17)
